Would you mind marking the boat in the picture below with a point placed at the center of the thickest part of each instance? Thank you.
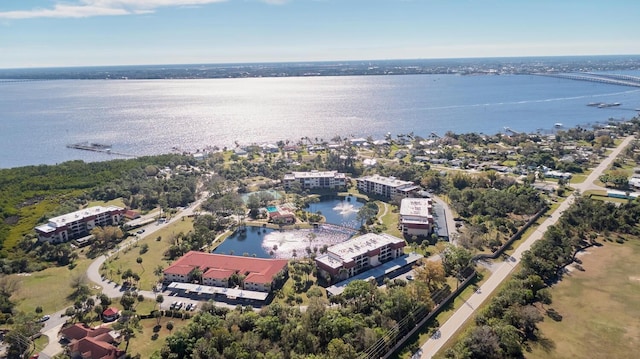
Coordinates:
(605, 105)
(594, 104)
(557, 125)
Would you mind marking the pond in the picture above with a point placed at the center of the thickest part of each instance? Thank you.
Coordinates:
(272, 243)
(341, 211)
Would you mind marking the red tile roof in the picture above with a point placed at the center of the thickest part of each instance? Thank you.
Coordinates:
(95, 349)
(111, 311)
(79, 331)
(217, 273)
(257, 270)
(179, 269)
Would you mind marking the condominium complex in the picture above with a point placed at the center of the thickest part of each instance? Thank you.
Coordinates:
(387, 187)
(79, 224)
(359, 254)
(315, 179)
(259, 274)
(416, 216)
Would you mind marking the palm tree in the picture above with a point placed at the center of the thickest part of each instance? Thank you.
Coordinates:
(139, 261)
(159, 299)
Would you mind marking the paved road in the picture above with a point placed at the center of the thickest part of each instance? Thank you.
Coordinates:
(451, 326)
(113, 290)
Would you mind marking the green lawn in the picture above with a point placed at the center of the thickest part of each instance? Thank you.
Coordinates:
(601, 315)
(48, 288)
(143, 342)
(126, 259)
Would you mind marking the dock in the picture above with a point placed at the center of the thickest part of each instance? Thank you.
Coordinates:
(97, 147)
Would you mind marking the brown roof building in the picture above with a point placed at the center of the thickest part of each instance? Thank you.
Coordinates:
(259, 273)
(91, 343)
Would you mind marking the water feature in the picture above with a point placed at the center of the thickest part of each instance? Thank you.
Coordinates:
(341, 217)
(342, 211)
(272, 243)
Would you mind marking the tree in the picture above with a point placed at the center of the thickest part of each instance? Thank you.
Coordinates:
(169, 326)
(80, 287)
(159, 300)
(432, 273)
(139, 261)
(455, 259)
(19, 337)
(367, 212)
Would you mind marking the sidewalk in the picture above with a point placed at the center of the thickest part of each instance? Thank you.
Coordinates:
(53, 348)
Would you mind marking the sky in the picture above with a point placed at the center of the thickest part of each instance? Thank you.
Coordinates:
(55, 33)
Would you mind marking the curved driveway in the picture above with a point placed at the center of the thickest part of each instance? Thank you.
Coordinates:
(451, 326)
(113, 290)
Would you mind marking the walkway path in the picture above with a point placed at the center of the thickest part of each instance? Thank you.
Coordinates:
(451, 326)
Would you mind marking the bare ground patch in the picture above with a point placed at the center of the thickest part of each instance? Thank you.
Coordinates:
(599, 307)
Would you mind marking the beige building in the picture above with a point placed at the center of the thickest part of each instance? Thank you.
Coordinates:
(79, 224)
(315, 179)
(387, 187)
(359, 254)
(416, 216)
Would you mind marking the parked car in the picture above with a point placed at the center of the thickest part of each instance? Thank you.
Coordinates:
(179, 305)
(173, 305)
(188, 307)
(140, 231)
(44, 318)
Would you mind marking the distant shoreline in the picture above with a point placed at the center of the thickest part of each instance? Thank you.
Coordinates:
(462, 66)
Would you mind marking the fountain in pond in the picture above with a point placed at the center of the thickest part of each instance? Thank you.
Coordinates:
(345, 208)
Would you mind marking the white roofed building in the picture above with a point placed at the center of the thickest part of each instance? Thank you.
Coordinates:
(315, 179)
(79, 223)
(359, 254)
(387, 187)
(416, 216)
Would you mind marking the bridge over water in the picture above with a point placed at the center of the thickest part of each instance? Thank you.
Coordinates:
(611, 79)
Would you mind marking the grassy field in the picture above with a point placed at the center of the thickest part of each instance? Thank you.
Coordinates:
(48, 288)
(143, 342)
(126, 259)
(601, 315)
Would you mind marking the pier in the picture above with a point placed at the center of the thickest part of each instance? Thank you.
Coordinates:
(97, 147)
(611, 79)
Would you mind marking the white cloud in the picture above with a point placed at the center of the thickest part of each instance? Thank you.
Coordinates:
(90, 8)
(275, 2)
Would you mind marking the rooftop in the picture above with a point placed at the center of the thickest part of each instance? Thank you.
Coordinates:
(388, 181)
(79, 215)
(230, 293)
(358, 246)
(314, 174)
(419, 207)
(257, 270)
(377, 272)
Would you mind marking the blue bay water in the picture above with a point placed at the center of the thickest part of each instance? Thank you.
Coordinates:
(38, 119)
